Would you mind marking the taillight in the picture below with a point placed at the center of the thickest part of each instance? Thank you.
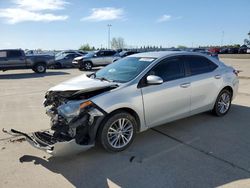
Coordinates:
(236, 72)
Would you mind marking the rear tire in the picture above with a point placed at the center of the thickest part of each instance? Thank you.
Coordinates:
(40, 68)
(223, 103)
(118, 132)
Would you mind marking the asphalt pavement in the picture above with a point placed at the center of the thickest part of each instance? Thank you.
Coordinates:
(199, 151)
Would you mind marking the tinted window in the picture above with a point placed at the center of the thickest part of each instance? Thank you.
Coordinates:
(14, 54)
(169, 69)
(100, 53)
(109, 53)
(199, 65)
(131, 53)
(3, 54)
(72, 55)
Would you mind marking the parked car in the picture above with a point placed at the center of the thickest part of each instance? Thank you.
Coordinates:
(233, 50)
(127, 53)
(243, 49)
(199, 50)
(214, 50)
(205, 51)
(65, 59)
(93, 59)
(11, 59)
(64, 52)
(132, 95)
(215, 55)
(224, 51)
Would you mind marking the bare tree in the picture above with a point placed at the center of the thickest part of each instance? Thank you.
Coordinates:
(117, 43)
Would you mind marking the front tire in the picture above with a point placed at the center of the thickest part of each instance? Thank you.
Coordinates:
(118, 132)
(39, 68)
(223, 103)
(87, 66)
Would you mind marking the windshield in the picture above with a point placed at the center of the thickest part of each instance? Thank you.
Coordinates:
(60, 56)
(124, 69)
(90, 54)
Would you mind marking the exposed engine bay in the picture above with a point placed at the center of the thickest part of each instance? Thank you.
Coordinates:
(71, 115)
(74, 119)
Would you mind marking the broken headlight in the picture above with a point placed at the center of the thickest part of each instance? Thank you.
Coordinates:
(73, 109)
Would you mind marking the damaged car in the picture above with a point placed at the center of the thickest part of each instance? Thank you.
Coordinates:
(132, 95)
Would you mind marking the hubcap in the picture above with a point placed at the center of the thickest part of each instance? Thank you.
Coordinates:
(40, 68)
(88, 66)
(120, 133)
(224, 103)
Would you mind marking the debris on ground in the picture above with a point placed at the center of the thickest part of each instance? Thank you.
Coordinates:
(18, 140)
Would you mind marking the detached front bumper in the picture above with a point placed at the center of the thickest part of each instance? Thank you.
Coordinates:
(46, 142)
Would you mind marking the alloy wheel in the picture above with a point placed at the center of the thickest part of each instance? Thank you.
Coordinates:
(120, 133)
(224, 103)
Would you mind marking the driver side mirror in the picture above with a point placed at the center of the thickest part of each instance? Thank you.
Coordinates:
(154, 80)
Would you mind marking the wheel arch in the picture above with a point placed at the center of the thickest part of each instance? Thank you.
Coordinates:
(87, 60)
(124, 109)
(39, 62)
(229, 88)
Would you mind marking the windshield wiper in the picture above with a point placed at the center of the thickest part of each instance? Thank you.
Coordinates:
(103, 79)
(91, 74)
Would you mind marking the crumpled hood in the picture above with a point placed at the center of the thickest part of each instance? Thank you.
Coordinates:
(81, 83)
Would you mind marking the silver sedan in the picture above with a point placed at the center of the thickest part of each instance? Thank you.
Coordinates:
(132, 95)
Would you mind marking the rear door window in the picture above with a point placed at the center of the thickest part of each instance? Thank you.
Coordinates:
(109, 53)
(14, 54)
(199, 65)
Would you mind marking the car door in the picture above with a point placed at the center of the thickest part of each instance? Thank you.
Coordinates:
(171, 99)
(205, 82)
(16, 59)
(69, 58)
(3, 59)
(109, 57)
(98, 58)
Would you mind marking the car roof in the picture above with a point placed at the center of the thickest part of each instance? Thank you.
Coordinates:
(9, 49)
(160, 54)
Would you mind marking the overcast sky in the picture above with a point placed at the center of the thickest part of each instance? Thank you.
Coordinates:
(65, 24)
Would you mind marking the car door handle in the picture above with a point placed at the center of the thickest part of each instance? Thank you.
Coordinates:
(217, 76)
(185, 85)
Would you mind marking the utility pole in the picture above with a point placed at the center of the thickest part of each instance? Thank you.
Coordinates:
(222, 38)
(109, 26)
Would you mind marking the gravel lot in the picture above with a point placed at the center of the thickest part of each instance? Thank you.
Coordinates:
(199, 151)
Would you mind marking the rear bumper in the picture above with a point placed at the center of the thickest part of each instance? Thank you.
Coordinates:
(44, 141)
